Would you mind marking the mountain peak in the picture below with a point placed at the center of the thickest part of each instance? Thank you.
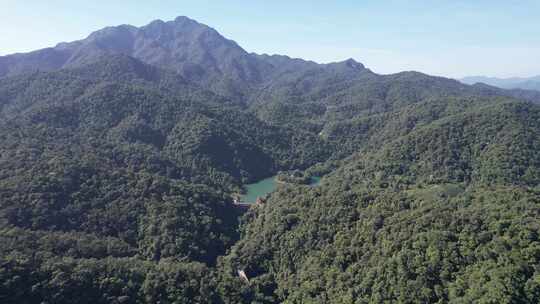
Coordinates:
(354, 64)
(157, 22)
(348, 64)
(184, 19)
(180, 21)
(194, 50)
(183, 45)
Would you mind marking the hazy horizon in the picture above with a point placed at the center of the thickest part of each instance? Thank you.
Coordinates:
(450, 38)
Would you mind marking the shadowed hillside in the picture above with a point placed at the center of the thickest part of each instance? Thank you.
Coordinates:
(121, 154)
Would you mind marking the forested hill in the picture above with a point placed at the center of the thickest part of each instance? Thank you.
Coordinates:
(446, 213)
(201, 55)
(121, 153)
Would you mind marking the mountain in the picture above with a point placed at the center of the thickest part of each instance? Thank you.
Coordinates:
(531, 83)
(121, 154)
(194, 50)
(203, 57)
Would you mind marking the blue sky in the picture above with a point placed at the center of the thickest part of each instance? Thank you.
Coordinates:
(448, 38)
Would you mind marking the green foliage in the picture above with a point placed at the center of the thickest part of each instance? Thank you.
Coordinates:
(116, 180)
(110, 280)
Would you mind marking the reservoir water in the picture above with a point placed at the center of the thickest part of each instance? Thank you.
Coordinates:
(315, 180)
(259, 189)
(265, 186)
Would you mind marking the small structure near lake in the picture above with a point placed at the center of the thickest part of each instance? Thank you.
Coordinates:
(259, 201)
(242, 275)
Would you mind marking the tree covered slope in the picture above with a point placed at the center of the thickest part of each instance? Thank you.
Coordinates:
(445, 213)
(120, 155)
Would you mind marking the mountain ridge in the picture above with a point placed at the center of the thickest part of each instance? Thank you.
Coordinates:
(526, 83)
(202, 56)
(194, 50)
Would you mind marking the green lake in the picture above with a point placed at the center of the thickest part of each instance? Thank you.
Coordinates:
(265, 186)
(315, 180)
(259, 189)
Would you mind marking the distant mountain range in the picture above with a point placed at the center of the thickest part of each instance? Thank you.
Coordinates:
(202, 56)
(531, 83)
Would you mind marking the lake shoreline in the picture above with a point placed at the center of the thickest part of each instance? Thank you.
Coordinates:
(262, 188)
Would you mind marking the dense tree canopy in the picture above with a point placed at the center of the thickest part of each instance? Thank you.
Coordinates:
(121, 153)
